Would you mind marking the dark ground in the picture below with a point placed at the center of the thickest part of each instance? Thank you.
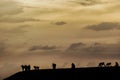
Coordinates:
(93, 73)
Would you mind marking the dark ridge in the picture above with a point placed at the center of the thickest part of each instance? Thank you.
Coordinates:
(91, 73)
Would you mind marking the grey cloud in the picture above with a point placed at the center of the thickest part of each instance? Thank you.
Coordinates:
(15, 30)
(20, 29)
(75, 46)
(8, 7)
(87, 2)
(9, 10)
(60, 23)
(44, 48)
(17, 19)
(103, 26)
(94, 50)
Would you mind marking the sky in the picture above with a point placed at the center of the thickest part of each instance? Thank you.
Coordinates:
(42, 32)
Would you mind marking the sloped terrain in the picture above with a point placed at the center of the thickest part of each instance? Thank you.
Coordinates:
(94, 73)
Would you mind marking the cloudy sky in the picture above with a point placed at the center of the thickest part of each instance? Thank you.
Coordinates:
(42, 32)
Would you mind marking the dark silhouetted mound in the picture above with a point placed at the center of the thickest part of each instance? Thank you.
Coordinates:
(95, 73)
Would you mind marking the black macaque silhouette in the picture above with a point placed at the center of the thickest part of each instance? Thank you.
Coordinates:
(54, 66)
(116, 64)
(101, 64)
(36, 67)
(26, 67)
(73, 66)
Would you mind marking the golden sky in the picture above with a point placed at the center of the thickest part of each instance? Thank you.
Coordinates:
(61, 31)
